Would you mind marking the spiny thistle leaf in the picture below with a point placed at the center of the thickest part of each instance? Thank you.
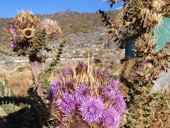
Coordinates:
(58, 56)
(106, 19)
(5, 90)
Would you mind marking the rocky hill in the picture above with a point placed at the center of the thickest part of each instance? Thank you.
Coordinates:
(86, 34)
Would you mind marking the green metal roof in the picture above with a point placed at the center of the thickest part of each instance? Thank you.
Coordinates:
(162, 33)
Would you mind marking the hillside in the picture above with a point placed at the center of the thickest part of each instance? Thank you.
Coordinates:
(86, 33)
(70, 22)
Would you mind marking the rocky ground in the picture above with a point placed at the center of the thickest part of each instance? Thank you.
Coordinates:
(78, 46)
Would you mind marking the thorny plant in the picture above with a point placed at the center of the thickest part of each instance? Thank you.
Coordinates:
(136, 20)
(5, 90)
(88, 95)
(33, 112)
(29, 36)
(146, 109)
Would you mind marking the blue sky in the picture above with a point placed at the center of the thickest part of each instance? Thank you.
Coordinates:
(9, 8)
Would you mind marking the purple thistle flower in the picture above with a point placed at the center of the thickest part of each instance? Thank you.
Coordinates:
(111, 118)
(69, 83)
(107, 71)
(67, 103)
(82, 92)
(120, 104)
(67, 72)
(98, 71)
(13, 31)
(13, 44)
(53, 89)
(101, 74)
(114, 83)
(92, 110)
(21, 25)
(81, 67)
(111, 91)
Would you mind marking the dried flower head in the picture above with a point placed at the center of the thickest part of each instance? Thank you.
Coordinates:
(158, 5)
(151, 16)
(25, 19)
(24, 26)
(28, 32)
(31, 34)
(81, 68)
(99, 73)
(52, 29)
(92, 110)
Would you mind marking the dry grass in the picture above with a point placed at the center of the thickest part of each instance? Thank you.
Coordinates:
(160, 112)
(148, 110)
(20, 82)
(2, 112)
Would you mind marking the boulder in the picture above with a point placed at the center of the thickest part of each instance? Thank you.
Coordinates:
(163, 82)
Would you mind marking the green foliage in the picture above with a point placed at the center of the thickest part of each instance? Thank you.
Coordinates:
(57, 58)
(84, 31)
(5, 90)
(45, 81)
(20, 69)
(144, 108)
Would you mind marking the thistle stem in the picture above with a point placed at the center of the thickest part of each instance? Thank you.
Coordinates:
(36, 71)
